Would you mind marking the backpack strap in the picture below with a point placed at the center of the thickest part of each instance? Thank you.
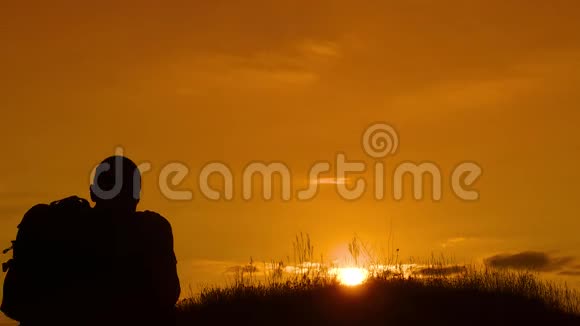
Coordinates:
(7, 265)
(7, 250)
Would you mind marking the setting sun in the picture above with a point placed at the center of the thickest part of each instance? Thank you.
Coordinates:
(352, 276)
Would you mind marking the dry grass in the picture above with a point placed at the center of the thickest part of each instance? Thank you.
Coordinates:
(438, 293)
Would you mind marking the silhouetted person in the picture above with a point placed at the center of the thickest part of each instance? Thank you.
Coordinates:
(107, 265)
(142, 277)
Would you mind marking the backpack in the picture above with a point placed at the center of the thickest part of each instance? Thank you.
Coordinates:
(44, 273)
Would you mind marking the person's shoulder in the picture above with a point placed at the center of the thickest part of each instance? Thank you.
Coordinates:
(154, 221)
(156, 229)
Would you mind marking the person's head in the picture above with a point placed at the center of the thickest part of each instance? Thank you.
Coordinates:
(117, 184)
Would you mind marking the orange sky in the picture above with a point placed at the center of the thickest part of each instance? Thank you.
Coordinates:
(495, 82)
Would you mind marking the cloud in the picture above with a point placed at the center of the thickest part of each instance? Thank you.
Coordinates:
(453, 241)
(571, 271)
(282, 68)
(242, 269)
(529, 260)
(320, 48)
(268, 78)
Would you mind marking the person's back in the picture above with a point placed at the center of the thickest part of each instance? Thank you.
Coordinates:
(137, 282)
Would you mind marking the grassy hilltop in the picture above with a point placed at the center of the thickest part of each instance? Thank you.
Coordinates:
(483, 297)
(437, 293)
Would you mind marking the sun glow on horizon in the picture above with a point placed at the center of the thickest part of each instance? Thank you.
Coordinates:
(351, 276)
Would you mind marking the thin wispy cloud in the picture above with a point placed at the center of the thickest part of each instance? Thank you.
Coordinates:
(453, 241)
(320, 48)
